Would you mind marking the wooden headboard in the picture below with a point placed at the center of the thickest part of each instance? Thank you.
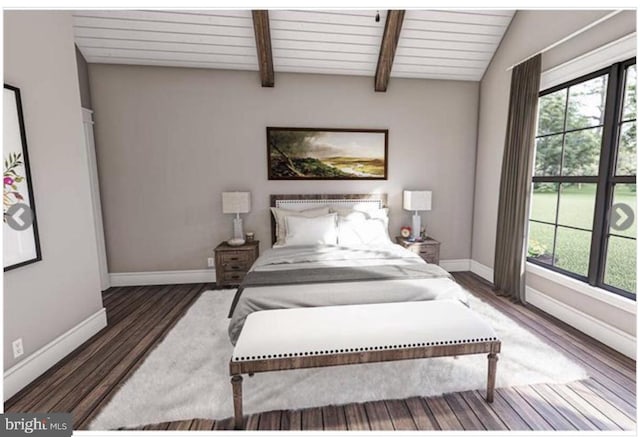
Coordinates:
(306, 201)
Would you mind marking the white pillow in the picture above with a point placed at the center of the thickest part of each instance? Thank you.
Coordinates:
(357, 214)
(302, 231)
(381, 215)
(279, 214)
(369, 232)
(350, 214)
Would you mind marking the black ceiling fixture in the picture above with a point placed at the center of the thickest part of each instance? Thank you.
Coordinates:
(377, 16)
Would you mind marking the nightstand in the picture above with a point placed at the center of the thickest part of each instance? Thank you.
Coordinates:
(233, 262)
(428, 249)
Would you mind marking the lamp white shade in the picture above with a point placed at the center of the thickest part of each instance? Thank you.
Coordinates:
(416, 200)
(236, 202)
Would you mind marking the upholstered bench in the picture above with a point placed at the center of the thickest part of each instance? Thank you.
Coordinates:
(355, 334)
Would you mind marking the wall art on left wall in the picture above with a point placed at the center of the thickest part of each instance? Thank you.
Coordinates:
(21, 244)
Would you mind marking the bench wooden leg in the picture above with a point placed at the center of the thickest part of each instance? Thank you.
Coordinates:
(491, 377)
(236, 384)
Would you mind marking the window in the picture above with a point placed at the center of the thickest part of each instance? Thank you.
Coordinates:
(583, 203)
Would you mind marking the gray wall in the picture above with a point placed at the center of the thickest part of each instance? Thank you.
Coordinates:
(170, 140)
(83, 80)
(47, 298)
(529, 32)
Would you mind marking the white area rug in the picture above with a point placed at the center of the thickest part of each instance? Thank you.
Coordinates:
(187, 375)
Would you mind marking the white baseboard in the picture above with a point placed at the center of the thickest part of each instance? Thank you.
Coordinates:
(162, 278)
(607, 334)
(601, 331)
(18, 376)
(209, 275)
(481, 270)
(455, 265)
(604, 296)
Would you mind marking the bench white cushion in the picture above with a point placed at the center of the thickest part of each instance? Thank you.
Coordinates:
(353, 328)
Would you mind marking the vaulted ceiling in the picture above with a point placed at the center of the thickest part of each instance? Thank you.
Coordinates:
(432, 44)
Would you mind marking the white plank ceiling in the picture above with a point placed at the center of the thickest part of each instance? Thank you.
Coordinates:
(434, 44)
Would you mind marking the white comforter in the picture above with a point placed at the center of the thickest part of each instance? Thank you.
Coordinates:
(338, 293)
(307, 257)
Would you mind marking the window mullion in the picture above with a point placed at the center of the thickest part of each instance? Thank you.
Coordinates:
(559, 184)
(567, 179)
(605, 172)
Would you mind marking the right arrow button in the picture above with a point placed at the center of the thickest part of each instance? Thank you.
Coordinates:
(622, 217)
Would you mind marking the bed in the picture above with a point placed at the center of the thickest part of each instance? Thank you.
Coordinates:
(313, 275)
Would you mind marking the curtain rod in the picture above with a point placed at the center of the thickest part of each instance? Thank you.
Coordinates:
(568, 37)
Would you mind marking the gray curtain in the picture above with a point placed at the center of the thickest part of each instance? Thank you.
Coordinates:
(515, 182)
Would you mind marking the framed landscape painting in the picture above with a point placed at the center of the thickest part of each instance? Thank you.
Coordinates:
(21, 245)
(321, 154)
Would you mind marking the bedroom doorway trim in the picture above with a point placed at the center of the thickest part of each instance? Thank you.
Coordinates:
(89, 141)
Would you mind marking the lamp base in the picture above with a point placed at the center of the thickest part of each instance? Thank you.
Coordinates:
(238, 233)
(415, 226)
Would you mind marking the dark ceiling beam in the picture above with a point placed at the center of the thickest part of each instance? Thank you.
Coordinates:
(388, 46)
(263, 44)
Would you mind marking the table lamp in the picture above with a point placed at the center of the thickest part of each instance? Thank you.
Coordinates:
(237, 203)
(416, 201)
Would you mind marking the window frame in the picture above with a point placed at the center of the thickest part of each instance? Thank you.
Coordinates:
(605, 180)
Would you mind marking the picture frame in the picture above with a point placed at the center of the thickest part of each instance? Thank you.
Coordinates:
(21, 244)
(295, 153)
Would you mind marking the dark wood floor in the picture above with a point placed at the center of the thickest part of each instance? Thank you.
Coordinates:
(139, 317)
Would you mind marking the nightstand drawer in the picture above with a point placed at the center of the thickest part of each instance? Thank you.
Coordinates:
(233, 277)
(415, 249)
(427, 251)
(235, 257)
(236, 266)
(431, 258)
